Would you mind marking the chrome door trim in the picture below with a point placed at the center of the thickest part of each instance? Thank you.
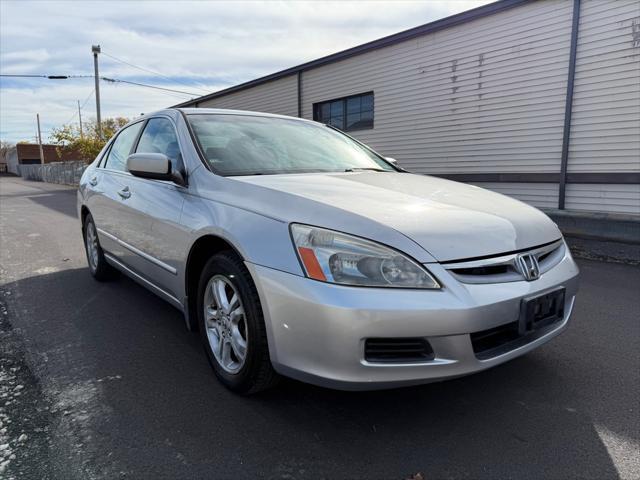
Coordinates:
(144, 255)
(111, 259)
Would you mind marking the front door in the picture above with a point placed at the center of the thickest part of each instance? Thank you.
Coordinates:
(161, 201)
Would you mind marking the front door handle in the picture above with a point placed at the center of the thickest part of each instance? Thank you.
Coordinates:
(124, 193)
(93, 181)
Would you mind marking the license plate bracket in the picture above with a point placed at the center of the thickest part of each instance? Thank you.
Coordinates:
(542, 310)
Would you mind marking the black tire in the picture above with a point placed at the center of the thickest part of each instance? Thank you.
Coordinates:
(99, 269)
(257, 373)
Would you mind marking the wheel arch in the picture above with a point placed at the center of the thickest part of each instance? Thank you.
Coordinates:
(84, 211)
(201, 250)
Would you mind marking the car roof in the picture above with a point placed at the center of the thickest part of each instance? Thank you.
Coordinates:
(223, 111)
(173, 113)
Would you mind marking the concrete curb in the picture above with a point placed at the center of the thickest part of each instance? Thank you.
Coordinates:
(608, 227)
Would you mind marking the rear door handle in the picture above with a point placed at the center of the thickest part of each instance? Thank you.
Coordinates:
(93, 181)
(124, 193)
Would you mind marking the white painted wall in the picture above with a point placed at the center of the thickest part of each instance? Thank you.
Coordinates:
(488, 96)
(278, 96)
(484, 96)
(541, 195)
(604, 198)
(12, 161)
(605, 125)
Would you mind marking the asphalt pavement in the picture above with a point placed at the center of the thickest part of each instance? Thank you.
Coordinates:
(102, 380)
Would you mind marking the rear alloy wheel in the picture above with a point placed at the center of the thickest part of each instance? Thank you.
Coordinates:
(98, 265)
(232, 325)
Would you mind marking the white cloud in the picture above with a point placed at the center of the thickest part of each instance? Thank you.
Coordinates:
(26, 56)
(204, 46)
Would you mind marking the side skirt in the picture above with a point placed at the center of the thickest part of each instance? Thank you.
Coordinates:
(144, 282)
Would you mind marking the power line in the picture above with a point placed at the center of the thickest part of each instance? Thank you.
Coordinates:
(151, 71)
(87, 99)
(81, 107)
(111, 80)
(167, 91)
(31, 76)
(50, 77)
(116, 80)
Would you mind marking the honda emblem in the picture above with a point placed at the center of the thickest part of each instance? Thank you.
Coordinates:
(528, 266)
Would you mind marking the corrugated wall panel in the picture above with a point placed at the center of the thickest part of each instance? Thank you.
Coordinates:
(604, 198)
(541, 195)
(605, 131)
(485, 96)
(488, 96)
(278, 96)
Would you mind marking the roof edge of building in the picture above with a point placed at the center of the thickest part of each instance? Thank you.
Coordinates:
(450, 21)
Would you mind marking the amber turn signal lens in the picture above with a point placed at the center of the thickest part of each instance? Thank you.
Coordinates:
(311, 264)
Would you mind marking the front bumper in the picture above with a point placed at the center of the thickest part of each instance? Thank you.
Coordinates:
(316, 331)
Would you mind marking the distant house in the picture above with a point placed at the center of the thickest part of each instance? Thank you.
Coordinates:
(29, 154)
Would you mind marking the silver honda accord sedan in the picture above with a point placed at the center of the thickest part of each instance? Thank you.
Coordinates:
(296, 250)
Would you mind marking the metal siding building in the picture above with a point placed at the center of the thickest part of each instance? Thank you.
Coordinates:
(539, 100)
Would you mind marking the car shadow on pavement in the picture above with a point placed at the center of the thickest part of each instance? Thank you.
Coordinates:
(158, 410)
(56, 200)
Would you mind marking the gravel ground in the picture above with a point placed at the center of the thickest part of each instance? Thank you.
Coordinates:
(25, 414)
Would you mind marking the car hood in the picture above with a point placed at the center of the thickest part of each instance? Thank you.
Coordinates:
(450, 220)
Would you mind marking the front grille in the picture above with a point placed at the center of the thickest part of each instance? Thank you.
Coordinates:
(504, 268)
(488, 270)
(389, 350)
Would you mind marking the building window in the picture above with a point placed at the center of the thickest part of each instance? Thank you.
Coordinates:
(348, 113)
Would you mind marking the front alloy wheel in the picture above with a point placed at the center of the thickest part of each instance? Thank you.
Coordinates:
(226, 323)
(232, 326)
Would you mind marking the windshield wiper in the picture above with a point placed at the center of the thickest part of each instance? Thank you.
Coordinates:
(360, 169)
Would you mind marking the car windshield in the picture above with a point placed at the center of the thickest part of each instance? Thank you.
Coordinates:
(254, 145)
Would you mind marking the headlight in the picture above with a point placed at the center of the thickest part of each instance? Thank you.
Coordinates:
(336, 257)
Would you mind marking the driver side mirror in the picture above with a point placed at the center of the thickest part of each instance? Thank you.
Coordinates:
(391, 160)
(156, 166)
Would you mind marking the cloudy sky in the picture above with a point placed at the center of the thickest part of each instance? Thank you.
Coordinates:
(195, 47)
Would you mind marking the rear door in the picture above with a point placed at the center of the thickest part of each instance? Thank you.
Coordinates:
(119, 222)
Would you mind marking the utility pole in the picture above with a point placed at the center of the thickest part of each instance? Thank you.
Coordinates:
(80, 117)
(96, 50)
(40, 139)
